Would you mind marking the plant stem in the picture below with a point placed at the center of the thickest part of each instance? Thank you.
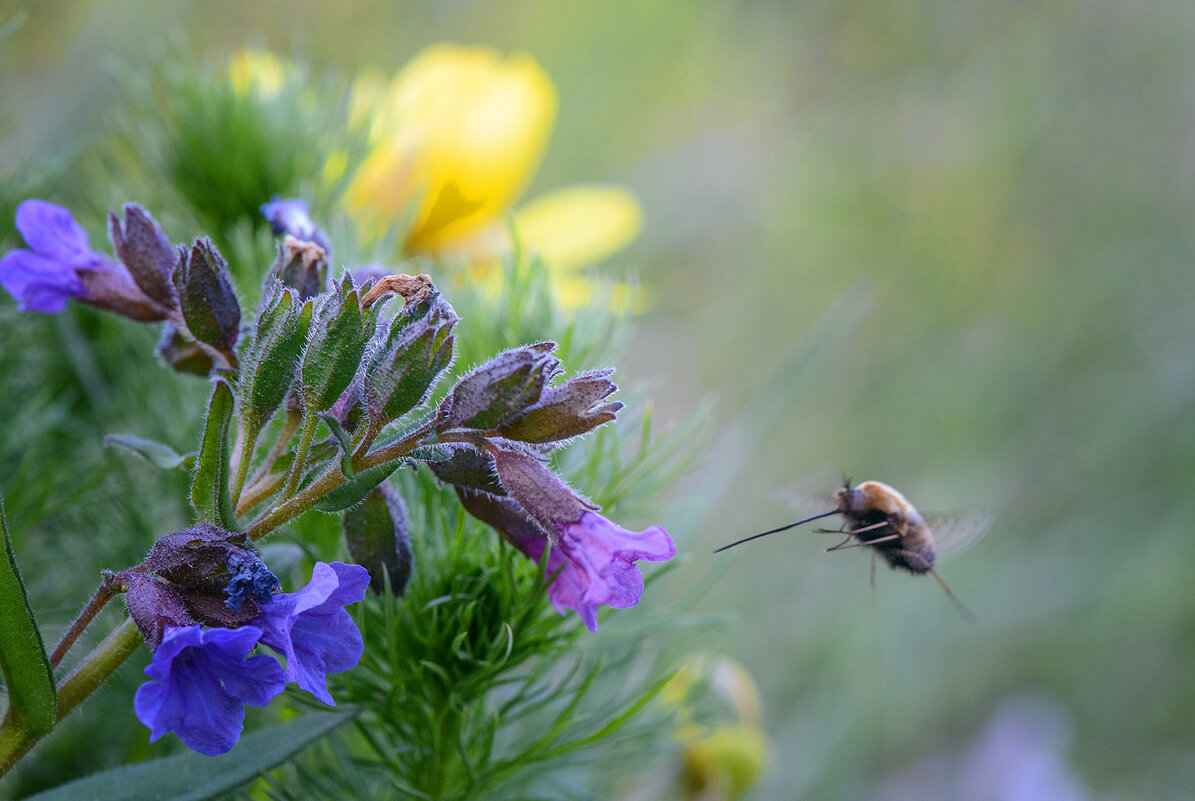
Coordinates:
(293, 417)
(242, 455)
(310, 422)
(99, 600)
(97, 666)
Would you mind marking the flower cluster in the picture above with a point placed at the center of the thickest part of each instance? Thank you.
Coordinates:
(201, 679)
(321, 350)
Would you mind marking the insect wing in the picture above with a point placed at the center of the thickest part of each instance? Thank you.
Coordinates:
(954, 534)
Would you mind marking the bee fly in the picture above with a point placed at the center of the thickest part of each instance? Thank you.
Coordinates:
(876, 516)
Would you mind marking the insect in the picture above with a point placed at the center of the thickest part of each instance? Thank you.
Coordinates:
(877, 516)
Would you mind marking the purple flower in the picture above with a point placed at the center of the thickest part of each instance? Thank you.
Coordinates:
(201, 683)
(596, 562)
(291, 217)
(312, 629)
(594, 556)
(62, 266)
(44, 278)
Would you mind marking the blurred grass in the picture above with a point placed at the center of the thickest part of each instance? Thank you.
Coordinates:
(1003, 191)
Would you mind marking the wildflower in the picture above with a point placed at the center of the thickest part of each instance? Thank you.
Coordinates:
(61, 265)
(592, 558)
(201, 682)
(45, 278)
(600, 567)
(456, 136)
(291, 217)
(313, 630)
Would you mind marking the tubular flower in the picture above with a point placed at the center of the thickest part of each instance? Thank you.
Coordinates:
(312, 629)
(594, 564)
(455, 137)
(61, 265)
(592, 558)
(45, 278)
(201, 682)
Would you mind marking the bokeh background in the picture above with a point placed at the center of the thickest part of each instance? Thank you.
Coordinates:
(944, 245)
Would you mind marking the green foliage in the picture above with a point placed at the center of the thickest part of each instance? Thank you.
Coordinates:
(27, 674)
(194, 777)
(209, 488)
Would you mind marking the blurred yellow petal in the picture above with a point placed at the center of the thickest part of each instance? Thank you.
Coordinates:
(724, 764)
(460, 131)
(579, 225)
(255, 70)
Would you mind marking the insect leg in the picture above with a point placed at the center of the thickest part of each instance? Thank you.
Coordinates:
(873, 569)
(842, 546)
(962, 610)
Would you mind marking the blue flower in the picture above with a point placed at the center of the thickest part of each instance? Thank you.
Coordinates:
(312, 629)
(201, 683)
(251, 579)
(291, 217)
(44, 278)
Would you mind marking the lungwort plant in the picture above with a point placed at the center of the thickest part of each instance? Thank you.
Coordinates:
(338, 398)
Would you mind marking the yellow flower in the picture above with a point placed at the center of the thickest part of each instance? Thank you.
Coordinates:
(259, 71)
(454, 139)
(459, 132)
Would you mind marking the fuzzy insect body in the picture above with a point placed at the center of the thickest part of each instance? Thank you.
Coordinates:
(879, 517)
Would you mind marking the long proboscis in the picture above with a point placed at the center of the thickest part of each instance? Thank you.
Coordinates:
(777, 530)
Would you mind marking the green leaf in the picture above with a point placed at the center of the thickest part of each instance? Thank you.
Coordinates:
(209, 489)
(335, 344)
(159, 454)
(32, 702)
(354, 490)
(268, 368)
(194, 777)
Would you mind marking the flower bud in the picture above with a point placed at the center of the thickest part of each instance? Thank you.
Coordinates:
(416, 350)
(376, 533)
(210, 572)
(153, 605)
(270, 363)
(499, 389)
(335, 344)
(182, 353)
(205, 293)
(146, 253)
(565, 411)
(301, 265)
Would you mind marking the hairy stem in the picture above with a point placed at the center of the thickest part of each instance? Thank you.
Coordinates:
(242, 455)
(310, 422)
(99, 600)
